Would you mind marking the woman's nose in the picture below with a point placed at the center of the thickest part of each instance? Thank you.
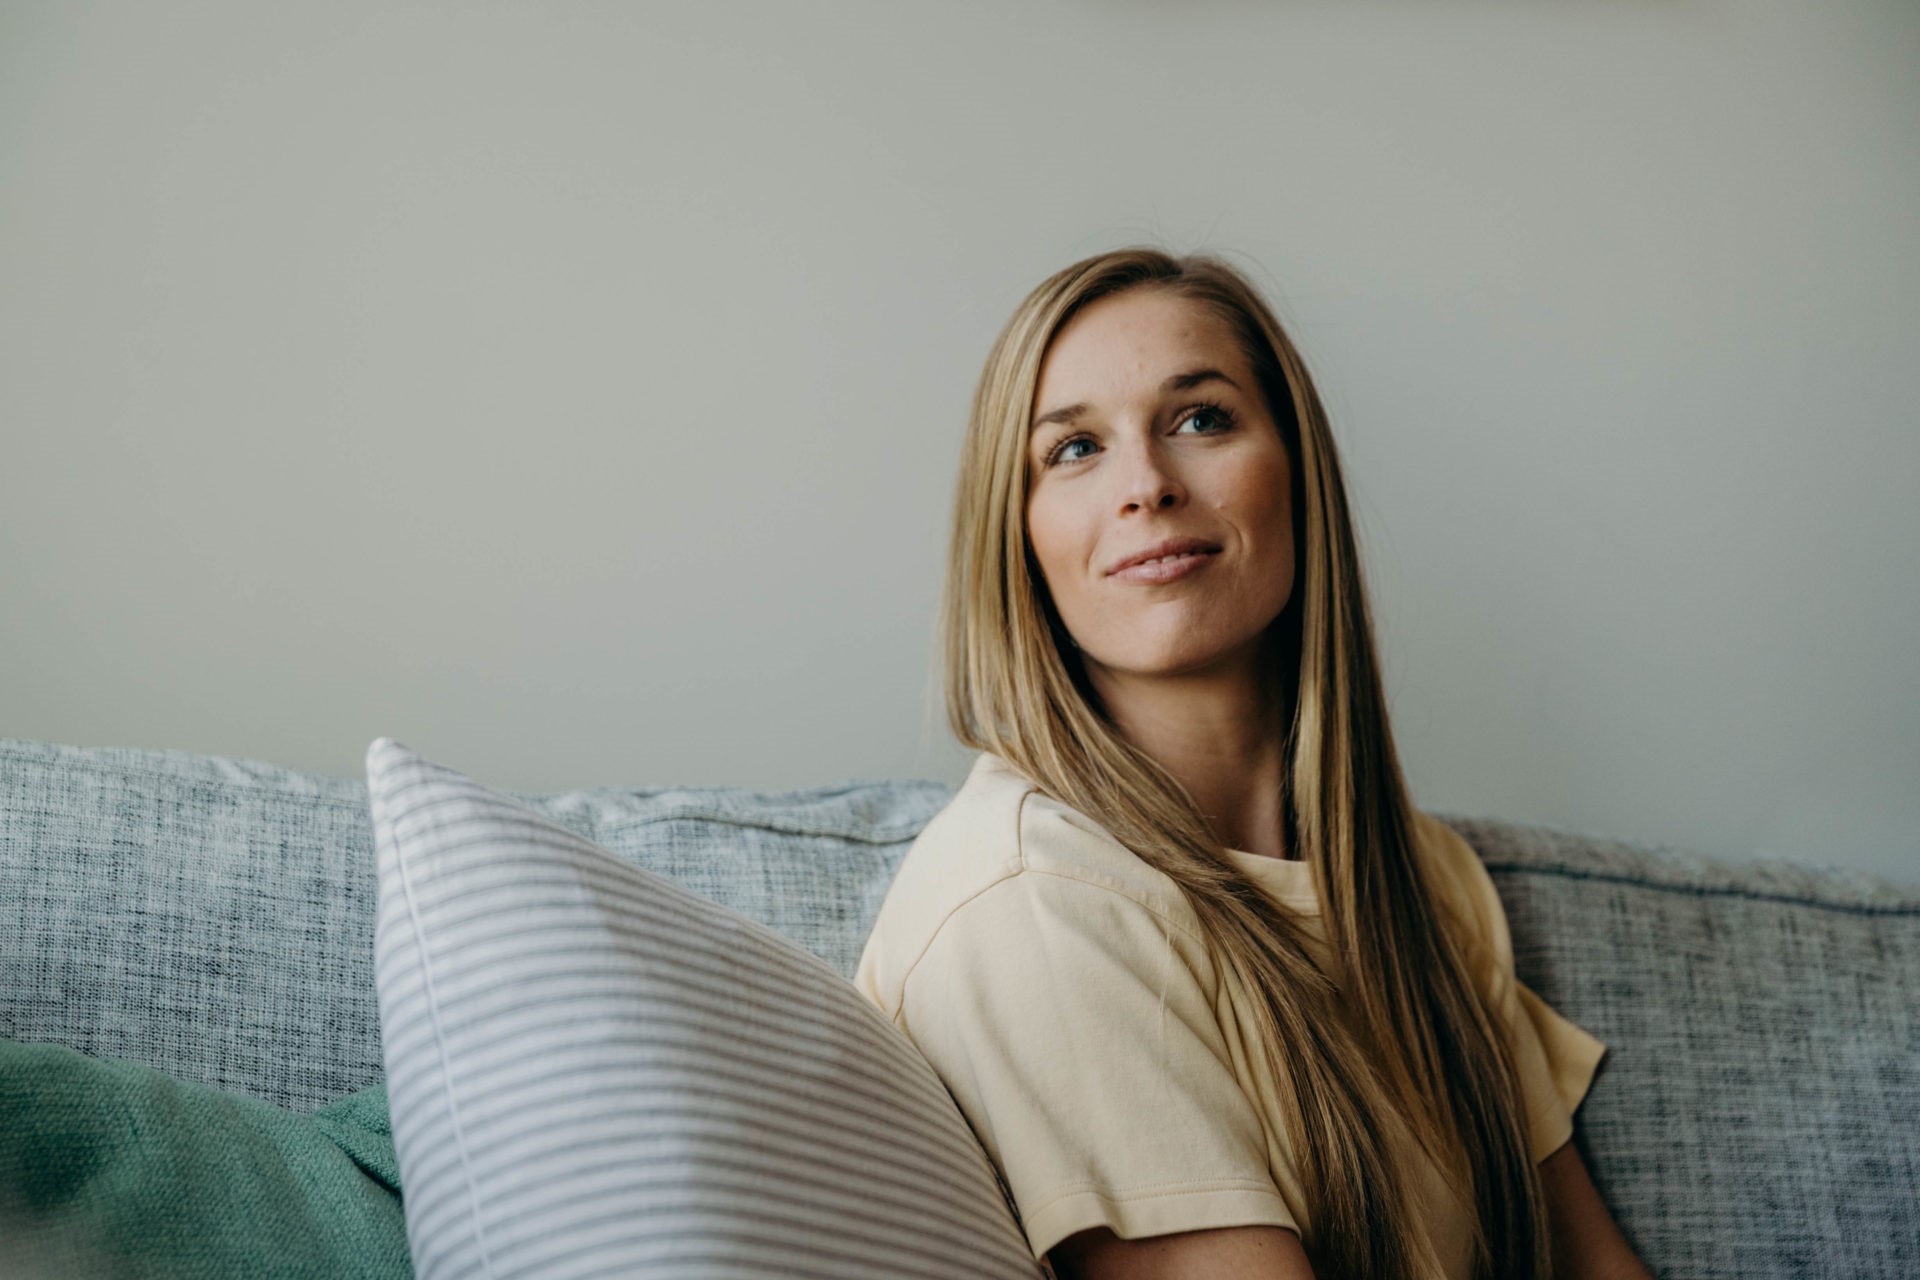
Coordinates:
(1149, 482)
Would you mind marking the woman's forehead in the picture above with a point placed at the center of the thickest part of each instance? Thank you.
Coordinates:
(1141, 319)
(1127, 347)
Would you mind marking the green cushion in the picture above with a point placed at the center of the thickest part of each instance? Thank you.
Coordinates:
(109, 1168)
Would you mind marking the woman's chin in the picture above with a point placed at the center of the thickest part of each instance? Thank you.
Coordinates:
(1174, 661)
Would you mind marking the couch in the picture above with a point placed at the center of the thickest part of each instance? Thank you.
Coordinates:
(1757, 1114)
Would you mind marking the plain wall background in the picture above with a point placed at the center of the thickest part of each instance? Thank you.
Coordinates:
(573, 391)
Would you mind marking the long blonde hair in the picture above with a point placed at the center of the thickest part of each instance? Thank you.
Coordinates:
(1419, 1039)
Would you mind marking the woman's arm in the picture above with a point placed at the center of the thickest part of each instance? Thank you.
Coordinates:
(1257, 1253)
(1587, 1244)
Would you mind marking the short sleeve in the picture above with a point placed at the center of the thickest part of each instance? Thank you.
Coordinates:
(1075, 1028)
(1556, 1059)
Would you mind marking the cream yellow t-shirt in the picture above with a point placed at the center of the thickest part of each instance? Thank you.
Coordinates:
(1060, 988)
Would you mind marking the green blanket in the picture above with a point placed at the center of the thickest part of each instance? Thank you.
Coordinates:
(112, 1169)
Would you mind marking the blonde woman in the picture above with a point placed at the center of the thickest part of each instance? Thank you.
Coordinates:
(1216, 999)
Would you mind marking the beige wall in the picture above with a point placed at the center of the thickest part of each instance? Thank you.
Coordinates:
(572, 391)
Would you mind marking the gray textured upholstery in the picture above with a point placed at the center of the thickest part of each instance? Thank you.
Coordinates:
(214, 918)
(1758, 1112)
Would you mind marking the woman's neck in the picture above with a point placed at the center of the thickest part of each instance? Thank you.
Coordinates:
(1221, 740)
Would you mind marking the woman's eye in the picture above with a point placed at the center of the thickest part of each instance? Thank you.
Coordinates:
(1219, 414)
(1215, 412)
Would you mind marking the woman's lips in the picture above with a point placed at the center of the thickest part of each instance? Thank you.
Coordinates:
(1166, 570)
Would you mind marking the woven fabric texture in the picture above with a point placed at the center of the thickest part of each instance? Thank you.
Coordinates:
(1758, 1112)
(213, 918)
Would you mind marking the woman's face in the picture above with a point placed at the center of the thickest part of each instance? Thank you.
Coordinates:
(1143, 458)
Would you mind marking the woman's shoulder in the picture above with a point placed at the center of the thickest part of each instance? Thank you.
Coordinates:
(1461, 880)
(1001, 824)
(970, 844)
(1001, 834)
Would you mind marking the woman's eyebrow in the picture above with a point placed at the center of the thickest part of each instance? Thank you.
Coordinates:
(1178, 382)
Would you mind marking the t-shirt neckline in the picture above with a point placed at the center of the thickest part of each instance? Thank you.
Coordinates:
(1288, 879)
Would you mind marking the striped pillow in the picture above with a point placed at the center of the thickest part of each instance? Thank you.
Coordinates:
(594, 1071)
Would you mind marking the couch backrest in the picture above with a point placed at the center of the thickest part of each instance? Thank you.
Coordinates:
(1758, 1112)
(214, 917)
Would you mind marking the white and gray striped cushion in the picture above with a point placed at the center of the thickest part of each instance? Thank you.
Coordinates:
(595, 1071)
